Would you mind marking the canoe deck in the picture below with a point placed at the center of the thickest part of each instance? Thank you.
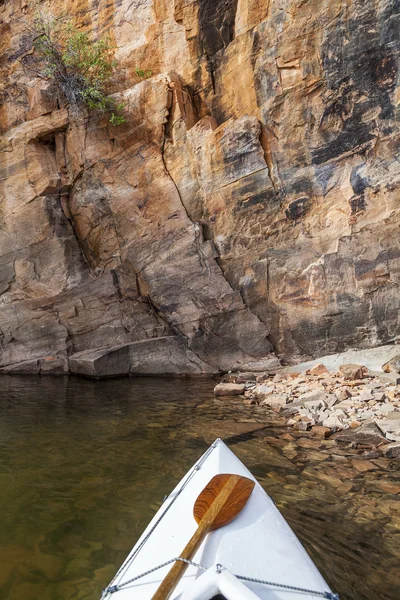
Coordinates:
(258, 544)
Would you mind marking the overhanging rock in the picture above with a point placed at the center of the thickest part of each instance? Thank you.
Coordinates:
(156, 356)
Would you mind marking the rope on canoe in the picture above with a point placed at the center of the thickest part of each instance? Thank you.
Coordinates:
(115, 588)
(174, 496)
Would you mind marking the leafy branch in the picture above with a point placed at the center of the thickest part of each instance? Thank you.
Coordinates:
(143, 74)
(78, 70)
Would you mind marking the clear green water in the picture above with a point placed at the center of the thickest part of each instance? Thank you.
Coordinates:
(84, 466)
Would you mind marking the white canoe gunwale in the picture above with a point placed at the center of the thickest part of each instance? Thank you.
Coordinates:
(258, 545)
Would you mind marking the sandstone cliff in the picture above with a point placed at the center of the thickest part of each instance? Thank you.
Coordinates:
(250, 202)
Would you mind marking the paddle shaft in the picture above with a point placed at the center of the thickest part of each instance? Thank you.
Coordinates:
(170, 582)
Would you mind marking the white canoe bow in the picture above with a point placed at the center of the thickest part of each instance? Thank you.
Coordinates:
(256, 556)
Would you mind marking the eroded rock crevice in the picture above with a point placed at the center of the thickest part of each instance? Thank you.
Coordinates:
(178, 127)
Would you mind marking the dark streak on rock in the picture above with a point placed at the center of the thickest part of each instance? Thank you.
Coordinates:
(217, 24)
(357, 204)
(260, 200)
(297, 208)
(360, 58)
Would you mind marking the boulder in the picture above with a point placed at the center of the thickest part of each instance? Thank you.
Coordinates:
(345, 404)
(318, 369)
(368, 434)
(320, 431)
(393, 365)
(322, 415)
(263, 390)
(302, 425)
(245, 377)
(314, 405)
(229, 389)
(366, 395)
(275, 401)
(390, 427)
(305, 412)
(333, 422)
(312, 400)
(331, 400)
(343, 393)
(104, 362)
(392, 450)
(352, 372)
(277, 378)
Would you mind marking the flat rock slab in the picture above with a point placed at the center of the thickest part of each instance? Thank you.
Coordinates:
(368, 434)
(26, 367)
(391, 427)
(156, 356)
(104, 362)
(270, 364)
(313, 400)
(392, 450)
(373, 359)
(385, 378)
(45, 365)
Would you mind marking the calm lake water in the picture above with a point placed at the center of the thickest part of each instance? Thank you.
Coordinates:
(84, 465)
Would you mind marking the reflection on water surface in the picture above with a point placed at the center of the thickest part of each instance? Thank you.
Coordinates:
(84, 466)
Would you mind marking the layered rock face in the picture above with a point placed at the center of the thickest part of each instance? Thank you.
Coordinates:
(251, 200)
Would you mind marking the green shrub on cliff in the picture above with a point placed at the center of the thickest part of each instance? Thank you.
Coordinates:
(79, 70)
(143, 74)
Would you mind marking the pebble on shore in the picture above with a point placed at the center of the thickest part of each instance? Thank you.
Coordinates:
(360, 406)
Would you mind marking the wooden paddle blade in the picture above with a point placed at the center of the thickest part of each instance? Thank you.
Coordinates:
(233, 490)
(217, 505)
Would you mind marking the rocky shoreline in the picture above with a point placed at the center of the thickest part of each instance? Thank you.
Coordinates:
(354, 405)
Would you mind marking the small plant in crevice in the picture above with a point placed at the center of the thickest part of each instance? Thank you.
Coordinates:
(143, 74)
(79, 70)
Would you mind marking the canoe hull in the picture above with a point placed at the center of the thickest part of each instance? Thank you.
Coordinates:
(258, 544)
